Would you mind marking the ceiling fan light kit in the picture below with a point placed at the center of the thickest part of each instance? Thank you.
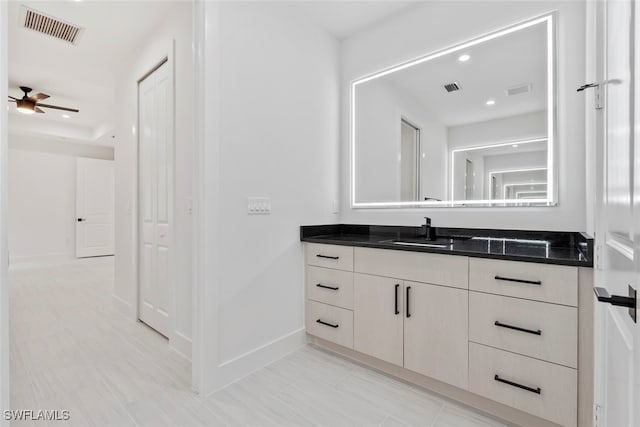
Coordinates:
(31, 104)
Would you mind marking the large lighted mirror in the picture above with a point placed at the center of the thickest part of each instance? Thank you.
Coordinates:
(469, 125)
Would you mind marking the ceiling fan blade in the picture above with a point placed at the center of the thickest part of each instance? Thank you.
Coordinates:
(38, 110)
(12, 100)
(12, 97)
(73, 110)
(39, 97)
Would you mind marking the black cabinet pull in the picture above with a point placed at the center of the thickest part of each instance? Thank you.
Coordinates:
(517, 328)
(327, 256)
(333, 288)
(322, 322)
(397, 308)
(407, 308)
(509, 279)
(536, 390)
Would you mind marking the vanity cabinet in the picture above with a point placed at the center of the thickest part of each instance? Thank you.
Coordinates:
(523, 336)
(378, 317)
(494, 329)
(329, 293)
(436, 332)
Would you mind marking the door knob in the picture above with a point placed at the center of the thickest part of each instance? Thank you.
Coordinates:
(623, 301)
(81, 219)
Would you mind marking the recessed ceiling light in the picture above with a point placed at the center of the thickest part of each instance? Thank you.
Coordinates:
(65, 116)
(491, 102)
(464, 58)
(515, 145)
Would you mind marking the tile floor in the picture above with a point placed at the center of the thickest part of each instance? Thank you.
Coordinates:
(70, 349)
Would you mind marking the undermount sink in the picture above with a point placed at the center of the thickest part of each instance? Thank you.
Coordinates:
(422, 244)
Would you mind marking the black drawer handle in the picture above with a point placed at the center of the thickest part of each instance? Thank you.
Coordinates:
(322, 322)
(536, 390)
(327, 256)
(333, 288)
(407, 308)
(517, 328)
(509, 279)
(397, 308)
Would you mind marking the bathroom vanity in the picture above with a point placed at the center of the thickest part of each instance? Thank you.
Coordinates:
(499, 320)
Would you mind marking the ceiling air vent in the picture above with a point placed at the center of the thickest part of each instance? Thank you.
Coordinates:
(518, 89)
(47, 25)
(452, 87)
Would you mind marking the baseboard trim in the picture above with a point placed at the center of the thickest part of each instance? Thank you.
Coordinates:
(181, 345)
(239, 367)
(124, 307)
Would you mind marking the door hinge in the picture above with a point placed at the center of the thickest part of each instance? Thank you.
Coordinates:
(597, 94)
(596, 415)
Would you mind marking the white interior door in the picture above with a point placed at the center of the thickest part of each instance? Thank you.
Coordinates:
(617, 335)
(155, 115)
(94, 207)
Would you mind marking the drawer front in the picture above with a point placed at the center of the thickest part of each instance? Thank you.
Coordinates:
(447, 270)
(557, 385)
(330, 286)
(541, 282)
(519, 322)
(330, 323)
(330, 256)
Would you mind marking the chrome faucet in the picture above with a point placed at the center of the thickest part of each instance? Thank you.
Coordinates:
(429, 232)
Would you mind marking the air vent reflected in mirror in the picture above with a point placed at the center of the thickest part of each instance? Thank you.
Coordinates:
(452, 87)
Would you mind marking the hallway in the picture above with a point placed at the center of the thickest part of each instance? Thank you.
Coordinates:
(70, 349)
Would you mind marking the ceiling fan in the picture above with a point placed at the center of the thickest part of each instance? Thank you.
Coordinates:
(31, 104)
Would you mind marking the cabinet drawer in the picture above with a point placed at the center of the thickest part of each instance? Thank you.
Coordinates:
(331, 256)
(448, 270)
(557, 325)
(541, 282)
(552, 389)
(330, 323)
(330, 286)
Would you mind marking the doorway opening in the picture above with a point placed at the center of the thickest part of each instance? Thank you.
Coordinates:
(77, 191)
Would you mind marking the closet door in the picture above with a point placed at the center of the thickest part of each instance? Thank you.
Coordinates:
(155, 158)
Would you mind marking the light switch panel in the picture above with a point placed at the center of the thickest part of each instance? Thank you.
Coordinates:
(259, 206)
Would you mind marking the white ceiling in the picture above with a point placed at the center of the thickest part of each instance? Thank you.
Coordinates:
(510, 60)
(81, 76)
(344, 18)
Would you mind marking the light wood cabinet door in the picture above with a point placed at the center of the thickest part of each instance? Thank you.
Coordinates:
(377, 317)
(436, 332)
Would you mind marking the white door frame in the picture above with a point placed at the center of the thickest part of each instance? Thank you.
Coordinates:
(4, 254)
(199, 353)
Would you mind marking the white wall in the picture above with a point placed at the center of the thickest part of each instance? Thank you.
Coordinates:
(4, 150)
(176, 31)
(42, 199)
(507, 129)
(272, 92)
(435, 25)
(380, 108)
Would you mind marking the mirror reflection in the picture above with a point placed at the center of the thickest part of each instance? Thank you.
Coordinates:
(469, 125)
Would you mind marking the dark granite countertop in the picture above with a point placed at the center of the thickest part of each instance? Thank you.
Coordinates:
(547, 247)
